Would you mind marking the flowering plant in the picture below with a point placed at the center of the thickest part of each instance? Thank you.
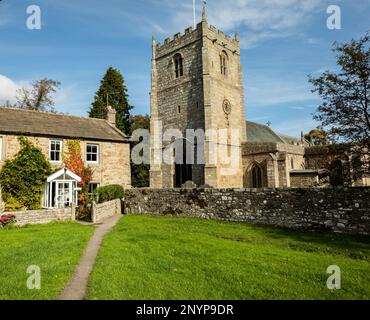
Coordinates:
(7, 219)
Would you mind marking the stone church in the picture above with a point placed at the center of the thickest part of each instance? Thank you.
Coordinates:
(197, 83)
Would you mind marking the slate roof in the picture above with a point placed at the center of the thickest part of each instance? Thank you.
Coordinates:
(261, 133)
(18, 121)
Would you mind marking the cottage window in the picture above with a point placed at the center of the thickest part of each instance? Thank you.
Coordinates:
(55, 150)
(92, 187)
(92, 153)
(179, 65)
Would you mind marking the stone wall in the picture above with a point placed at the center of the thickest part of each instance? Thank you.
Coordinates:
(342, 210)
(304, 179)
(44, 216)
(105, 210)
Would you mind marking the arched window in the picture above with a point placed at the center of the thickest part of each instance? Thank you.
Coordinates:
(257, 177)
(179, 65)
(223, 63)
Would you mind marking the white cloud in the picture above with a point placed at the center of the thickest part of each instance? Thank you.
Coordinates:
(259, 19)
(8, 89)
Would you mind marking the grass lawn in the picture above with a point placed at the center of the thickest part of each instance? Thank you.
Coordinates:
(55, 248)
(148, 257)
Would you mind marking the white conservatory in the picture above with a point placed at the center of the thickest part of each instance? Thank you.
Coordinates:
(61, 189)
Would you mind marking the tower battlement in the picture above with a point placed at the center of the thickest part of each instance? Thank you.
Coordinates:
(234, 41)
(190, 34)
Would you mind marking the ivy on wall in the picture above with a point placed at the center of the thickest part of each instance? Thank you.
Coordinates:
(22, 178)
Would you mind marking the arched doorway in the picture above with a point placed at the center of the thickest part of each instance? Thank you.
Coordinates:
(183, 170)
(257, 176)
(336, 173)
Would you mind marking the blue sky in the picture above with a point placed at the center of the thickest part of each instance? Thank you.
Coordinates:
(282, 42)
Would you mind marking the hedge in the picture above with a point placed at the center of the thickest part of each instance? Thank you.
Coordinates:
(108, 193)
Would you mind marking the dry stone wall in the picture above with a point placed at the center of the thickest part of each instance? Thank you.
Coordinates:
(44, 216)
(105, 210)
(341, 210)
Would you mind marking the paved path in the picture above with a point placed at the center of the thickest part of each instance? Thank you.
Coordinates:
(77, 285)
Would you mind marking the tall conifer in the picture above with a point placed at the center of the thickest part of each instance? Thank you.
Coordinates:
(113, 91)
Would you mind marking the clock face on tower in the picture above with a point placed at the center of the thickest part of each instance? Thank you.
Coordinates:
(226, 107)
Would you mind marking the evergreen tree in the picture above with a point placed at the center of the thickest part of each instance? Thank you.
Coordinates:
(140, 173)
(114, 92)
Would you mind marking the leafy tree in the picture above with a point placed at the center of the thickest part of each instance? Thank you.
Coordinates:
(140, 173)
(113, 91)
(22, 178)
(345, 109)
(39, 97)
(317, 137)
(345, 112)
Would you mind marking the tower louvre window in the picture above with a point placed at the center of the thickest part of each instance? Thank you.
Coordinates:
(223, 63)
(179, 65)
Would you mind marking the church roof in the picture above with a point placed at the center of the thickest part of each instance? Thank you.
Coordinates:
(261, 133)
(19, 121)
(290, 139)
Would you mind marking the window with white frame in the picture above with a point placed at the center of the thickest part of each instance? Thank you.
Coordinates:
(92, 153)
(55, 150)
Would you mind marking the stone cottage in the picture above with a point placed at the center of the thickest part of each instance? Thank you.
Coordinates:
(104, 148)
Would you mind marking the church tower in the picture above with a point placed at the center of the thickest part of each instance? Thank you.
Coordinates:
(197, 84)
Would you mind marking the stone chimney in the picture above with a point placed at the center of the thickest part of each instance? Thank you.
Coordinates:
(110, 115)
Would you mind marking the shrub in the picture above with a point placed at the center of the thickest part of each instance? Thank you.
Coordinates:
(22, 178)
(7, 220)
(83, 211)
(108, 193)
